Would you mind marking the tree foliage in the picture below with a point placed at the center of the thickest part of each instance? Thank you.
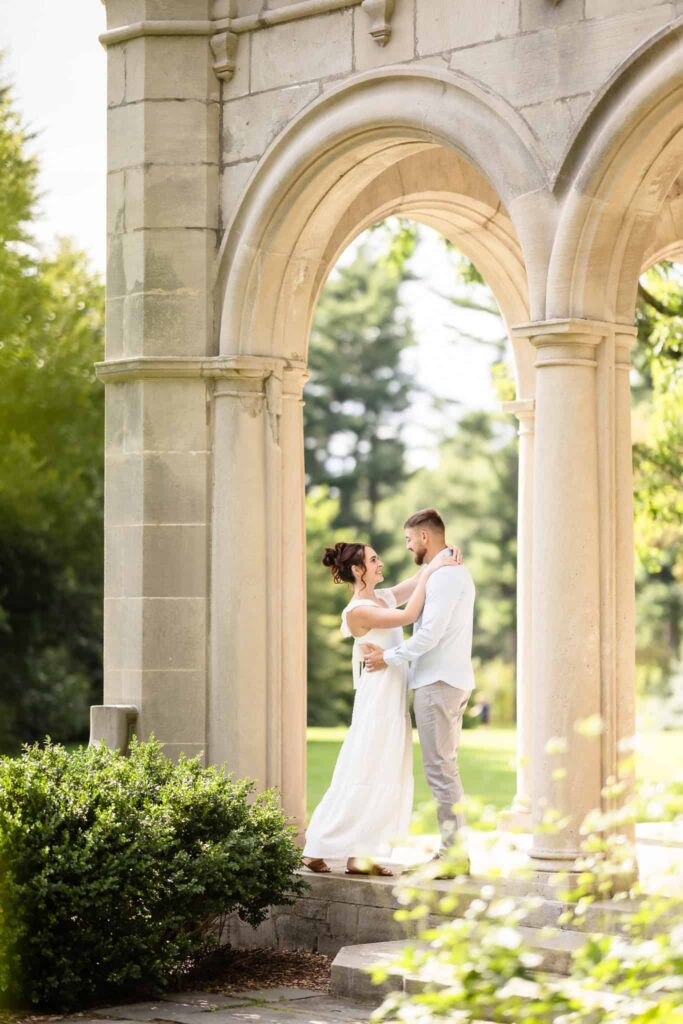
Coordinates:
(658, 473)
(474, 484)
(51, 489)
(358, 389)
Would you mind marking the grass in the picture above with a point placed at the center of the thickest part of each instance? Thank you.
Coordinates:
(487, 764)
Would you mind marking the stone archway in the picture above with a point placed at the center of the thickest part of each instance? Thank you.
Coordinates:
(617, 183)
(404, 143)
(206, 358)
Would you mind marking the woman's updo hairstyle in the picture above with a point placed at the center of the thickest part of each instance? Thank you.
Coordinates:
(341, 558)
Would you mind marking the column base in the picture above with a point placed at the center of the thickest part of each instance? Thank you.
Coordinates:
(553, 873)
(517, 818)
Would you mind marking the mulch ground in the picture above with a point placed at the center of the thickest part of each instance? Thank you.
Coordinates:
(237, 970)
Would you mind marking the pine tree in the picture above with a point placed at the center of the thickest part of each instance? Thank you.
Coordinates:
(358, 389)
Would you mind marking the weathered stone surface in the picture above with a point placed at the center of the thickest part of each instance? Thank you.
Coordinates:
(234, 180)
(547, 65)
(401, 45)
(156, 65)
(302, 51)
(173, 416)
(173, 561)
(171, 196)
(537, 14)
(342, 919)
(176, 491)
(158, 260)
(123, 490)
(178, 495)
(174, 702)
(555, 121)
(316, 910)
(174, 633)
(244, 936)
(188, 750)
(116, 205)
(250, 123)
(116, 76)
(360, 891)
(609, 8)
(296, 932)
(165, 325)
(375, 924)
(449, 24)
(162, 132)
(125, 12)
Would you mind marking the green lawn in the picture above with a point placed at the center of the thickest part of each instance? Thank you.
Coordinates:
(487, 764)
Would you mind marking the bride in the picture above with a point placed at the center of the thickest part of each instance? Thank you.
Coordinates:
(370, 799)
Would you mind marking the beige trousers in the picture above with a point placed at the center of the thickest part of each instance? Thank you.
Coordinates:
(439, 710)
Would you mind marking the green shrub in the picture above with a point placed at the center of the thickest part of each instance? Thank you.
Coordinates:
(115, 871)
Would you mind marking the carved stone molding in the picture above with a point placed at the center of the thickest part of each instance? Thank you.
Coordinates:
(230, 367)
(380, 13)
(224, 49)
(225, 29)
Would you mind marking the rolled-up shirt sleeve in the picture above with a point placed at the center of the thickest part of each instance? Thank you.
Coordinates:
(440, 601)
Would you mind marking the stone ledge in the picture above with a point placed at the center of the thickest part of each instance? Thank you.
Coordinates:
(210, 367)
(112, 724)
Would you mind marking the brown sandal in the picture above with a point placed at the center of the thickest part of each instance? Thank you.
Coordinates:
(317, 865)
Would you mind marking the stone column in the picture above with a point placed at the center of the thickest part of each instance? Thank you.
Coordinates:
(162, 197)
(293, 617)
(257, 687)
(156, 463)
(566, 660)
(519, 816)
(624, 566)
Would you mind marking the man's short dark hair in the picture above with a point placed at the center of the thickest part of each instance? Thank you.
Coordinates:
(426, 519)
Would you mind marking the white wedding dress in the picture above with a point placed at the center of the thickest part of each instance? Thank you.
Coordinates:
(370, 799)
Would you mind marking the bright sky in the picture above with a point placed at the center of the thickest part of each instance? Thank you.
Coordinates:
(58, 70)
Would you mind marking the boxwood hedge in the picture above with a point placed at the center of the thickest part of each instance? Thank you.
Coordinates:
(116, 870)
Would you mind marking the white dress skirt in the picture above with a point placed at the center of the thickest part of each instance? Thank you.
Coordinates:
(369, 803)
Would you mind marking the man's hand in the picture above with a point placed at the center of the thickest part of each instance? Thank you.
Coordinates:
(373, 657)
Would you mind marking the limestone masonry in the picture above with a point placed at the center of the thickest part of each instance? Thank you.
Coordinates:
(249, 143)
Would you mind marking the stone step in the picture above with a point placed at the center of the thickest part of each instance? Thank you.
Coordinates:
(351, 980)
(341, 910)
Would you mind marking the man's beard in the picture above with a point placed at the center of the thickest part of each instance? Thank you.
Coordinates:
(420, 556)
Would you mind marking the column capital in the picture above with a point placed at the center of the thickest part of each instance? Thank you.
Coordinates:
(564, 328)
(525, 411)
(565, 342)
(625, 338)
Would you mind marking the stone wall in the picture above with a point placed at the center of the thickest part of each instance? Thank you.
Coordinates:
(549, 62)
(337, 912)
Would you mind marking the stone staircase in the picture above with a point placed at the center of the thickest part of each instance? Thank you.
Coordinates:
(350, 978)
(543, 931)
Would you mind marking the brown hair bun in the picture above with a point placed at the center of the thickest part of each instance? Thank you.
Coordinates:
(341, 558)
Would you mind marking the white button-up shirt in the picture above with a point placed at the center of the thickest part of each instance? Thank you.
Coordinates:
(440, 648)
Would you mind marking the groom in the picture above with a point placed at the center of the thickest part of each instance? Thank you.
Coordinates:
(440, 656)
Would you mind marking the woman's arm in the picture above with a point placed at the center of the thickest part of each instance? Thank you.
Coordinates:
(403, 590)
(366, 617)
